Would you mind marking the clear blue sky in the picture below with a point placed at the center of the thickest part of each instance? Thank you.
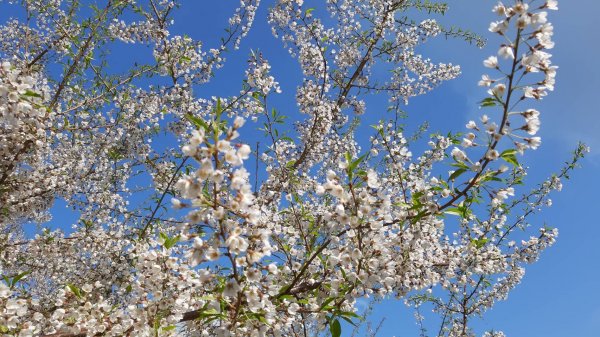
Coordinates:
(560, 295)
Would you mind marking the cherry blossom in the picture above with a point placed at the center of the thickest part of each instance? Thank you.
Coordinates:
(186, 227)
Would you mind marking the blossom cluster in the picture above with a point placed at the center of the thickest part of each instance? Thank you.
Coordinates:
(281, 238)
(23, 141)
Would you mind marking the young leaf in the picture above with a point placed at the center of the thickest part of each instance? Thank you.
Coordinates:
(198, 122)
(335, 328)
(488, 102)
(510, 157)
(457, 173)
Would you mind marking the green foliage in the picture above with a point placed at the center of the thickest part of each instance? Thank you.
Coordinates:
(11, 282)
(335, 328)
(510, 157)
(168, 242)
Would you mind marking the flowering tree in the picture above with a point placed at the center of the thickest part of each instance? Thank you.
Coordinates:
(329, 222)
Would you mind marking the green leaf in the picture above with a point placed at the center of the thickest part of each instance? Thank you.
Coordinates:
(169, 328)
(168, 242)
(163, 236)
(460, 165)
(355, 163)
(326, 302)
(453, 211)
(510, 157)
(19, 278)
(172, 242)
(335, 328)
(308, 11)
(348, 157)
(286, 297)
(210, 312)
(115, 154)
(263, 320)
(490, 176)
(457, 173)
(479, 242)
(219, 109)
(198, 122)
(509, 152)
(349, 321)
(488, 102)
(87, 223)
(76, 291)
(30, 93)
(349, 314)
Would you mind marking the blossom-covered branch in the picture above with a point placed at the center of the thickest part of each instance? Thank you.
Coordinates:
(330, 220)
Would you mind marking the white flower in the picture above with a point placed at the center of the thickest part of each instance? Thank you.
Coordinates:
(498, 90)
(372, 179)
(539, 18)
(523, 21)
(236, 244)
(530, 113)
(552, 4)
(4, 290)
(206, 169)
(197, 243)
(458, 154)
(498, 27)
(223, 146)
(13, 96)
(253, 275)
(189, 150)
(244, 151)
(293, 308)
(87, 288)
(331, 175)
(486, 81)
(505, 193)
(232, 158)
(212, 254)
(506, 52)
(231, 288)
(532, 126)
(238, 122)
(204, 275)
(176, 203)
(534, 142)
(16, 307)
(195, 257)
(492, 154)
(491, 62)
(500, 9)
(520, 7)
(337, 191)
(197, 137)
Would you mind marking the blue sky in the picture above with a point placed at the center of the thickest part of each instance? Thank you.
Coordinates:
(559, 296)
